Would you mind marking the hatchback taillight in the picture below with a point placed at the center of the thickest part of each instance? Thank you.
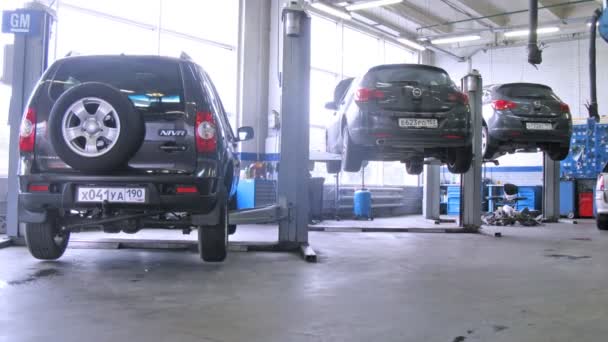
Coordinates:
(459, 98)
(503, 104)
(600, 183)
(27, 131)
(564, 108)
(206, 135)
(366, 94)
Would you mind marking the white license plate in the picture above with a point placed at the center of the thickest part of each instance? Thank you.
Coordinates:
(418, 123)
(542, 126)
(111, 194)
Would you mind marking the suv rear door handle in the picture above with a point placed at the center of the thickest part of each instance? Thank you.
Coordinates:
(172, 147)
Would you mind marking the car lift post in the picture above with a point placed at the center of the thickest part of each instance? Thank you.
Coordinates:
(551, 172)
(293, 175)
(471, 182)
(30, 60)
(431, 191)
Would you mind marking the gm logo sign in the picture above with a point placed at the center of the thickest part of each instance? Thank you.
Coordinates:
(172, 132)
(22, 21)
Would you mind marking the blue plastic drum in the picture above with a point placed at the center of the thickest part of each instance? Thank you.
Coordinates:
(363, 204)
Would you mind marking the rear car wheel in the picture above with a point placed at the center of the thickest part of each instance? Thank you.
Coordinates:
(459, 159)
(602, 221)
(488, 149)
(333, 166)
(558, 152)
(351, 157)
(232, 206)
(93, 127)
(414, 166)
(45, 241)
(213, 240)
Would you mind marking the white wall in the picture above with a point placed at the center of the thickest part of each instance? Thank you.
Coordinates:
(564, 68)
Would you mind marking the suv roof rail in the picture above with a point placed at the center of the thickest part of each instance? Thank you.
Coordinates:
(185, 56)
(72, 53)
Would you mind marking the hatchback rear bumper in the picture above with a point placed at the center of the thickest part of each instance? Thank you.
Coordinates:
(384, 131)
(507, 128)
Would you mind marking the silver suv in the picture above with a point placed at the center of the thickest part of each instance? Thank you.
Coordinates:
(601, 199)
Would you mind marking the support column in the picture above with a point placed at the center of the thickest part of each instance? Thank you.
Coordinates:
(431, 191)
(293, 175)
(551, 172)
(471, 184)
(254, 49)
(30, 59)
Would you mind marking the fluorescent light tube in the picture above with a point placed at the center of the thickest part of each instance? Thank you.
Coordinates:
(411, 44)
(371, 4)
(331, 10)
(523, 33)
(458, 39)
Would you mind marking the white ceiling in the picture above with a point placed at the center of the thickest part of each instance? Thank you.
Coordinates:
(411, 18)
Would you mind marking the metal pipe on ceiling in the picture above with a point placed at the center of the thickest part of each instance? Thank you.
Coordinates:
(568, 3)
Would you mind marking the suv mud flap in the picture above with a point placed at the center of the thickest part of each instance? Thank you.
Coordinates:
(212, 218)
(27, 216)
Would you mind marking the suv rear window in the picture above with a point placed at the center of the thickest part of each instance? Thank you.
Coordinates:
(527, 91)
(411, 74)
(153, 85)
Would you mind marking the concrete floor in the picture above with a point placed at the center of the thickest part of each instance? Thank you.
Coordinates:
(533, 284)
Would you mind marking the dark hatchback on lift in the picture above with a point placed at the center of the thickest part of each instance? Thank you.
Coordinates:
(525, 117)
(400, 112)
(122, 143)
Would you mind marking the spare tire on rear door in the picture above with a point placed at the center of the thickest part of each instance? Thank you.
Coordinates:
(93, 127)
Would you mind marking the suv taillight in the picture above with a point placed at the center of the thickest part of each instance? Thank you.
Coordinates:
(27, 131)
(503, 104)
(366, 94)
(600, 183)
(206, 135)
(564, 108)
(458, 97)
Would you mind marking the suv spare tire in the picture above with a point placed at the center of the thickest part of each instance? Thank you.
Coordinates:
(93, 127)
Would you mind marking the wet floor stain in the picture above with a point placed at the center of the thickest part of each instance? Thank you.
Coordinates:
(43, 273)
(567, 256)
(499, 328)
(459, 339)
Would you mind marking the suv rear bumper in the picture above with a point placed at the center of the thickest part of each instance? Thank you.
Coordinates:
(160, 190)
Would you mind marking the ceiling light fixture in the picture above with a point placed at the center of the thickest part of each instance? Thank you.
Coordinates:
(457, 39)
(336, 12)
(363, 19)
(411, 44)
(370, 4)
(523, 33)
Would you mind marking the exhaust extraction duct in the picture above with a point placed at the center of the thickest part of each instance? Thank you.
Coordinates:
(534, 53)
(592, 107)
